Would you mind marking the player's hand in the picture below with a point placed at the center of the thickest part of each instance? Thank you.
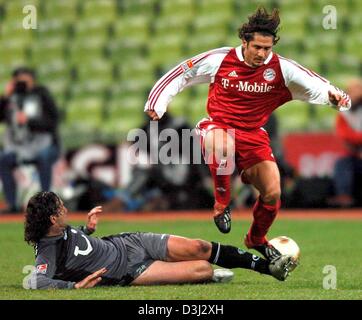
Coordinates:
(338, 99)
(93, 218)
(153, 115)
(9, 88)
(91, 280)
(21, 117)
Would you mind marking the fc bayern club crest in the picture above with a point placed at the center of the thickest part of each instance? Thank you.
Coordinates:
(269, 74)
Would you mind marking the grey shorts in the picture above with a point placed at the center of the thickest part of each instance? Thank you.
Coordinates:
(143, 249)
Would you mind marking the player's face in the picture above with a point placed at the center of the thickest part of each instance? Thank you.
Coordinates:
(256, 51)
(61, 218)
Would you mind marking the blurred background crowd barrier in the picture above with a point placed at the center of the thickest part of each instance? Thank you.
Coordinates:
(100, 59)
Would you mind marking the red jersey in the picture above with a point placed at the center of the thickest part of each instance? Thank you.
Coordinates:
(349, 129)
(239, 95)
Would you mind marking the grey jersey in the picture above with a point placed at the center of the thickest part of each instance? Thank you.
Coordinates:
(64, 260)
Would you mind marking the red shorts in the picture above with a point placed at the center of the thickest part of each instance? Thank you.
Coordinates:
(251, 146)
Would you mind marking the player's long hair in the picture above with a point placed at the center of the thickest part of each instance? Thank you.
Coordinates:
(262, 22)
(37, 217)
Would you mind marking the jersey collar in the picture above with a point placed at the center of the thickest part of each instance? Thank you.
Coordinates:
(239, 53)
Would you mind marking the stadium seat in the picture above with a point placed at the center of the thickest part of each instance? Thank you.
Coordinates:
(66, 10)
(141, 7)
(160, 48)
(92, 28)
(46, 51)
(86, 50)
(182, 7)
(85, 112)
(101, 10)
(293, 116)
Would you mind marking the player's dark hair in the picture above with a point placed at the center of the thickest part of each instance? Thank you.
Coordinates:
(261, 22)
(37, 217)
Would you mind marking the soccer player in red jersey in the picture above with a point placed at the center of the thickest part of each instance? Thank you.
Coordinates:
(246, 84)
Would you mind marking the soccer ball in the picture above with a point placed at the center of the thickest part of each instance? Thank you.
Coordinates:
(288, 246)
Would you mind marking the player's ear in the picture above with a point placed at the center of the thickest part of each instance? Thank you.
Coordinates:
(244, 43)
(53, 219)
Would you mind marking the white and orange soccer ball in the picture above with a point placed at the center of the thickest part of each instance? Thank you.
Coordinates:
(288, 246)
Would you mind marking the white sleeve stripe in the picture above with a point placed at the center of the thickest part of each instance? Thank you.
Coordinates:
(309, 72)
(162, 86)
(155, 90)
(317, 75)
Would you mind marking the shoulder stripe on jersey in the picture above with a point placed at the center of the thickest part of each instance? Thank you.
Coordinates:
(309, 72)
(156, 92)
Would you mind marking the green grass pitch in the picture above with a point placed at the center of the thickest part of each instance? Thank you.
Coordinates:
(322, 243)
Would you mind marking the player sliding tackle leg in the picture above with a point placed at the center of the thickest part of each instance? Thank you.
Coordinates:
(189, 261)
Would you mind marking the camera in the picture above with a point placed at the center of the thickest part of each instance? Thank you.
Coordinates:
(20, 87)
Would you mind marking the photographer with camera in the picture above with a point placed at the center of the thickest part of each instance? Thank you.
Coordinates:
(31, 137)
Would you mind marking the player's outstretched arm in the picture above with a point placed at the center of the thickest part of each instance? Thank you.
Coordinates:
(92, 221)
(306, 85)
(93, 218)
(199, 69)
(91, 280)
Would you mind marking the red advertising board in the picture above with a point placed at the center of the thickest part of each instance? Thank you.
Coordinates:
(312, 154)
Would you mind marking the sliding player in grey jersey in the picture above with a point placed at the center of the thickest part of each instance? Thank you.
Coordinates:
(67, 257)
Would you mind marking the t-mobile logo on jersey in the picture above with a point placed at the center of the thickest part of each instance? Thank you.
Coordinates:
(246, 86)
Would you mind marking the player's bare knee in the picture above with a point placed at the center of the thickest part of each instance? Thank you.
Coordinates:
(272, 197)
(204, 270)
(200, 248)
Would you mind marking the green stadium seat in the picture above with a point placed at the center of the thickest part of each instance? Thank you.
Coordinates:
(123, 51)
(46, 51)
(85, 112)
(180, 104)
(132, 27)
(14, 9)
(65, 10)
(101, 10)
(138, 7)
(181, 7)
(52, 30)
(293, 116)
(215, 7)
(203, 25)
(86, 50)
(178, 25)
(13, 31)
(92, 28)
(165, 50)
(125, 113)
(14, 54)
(203, 43)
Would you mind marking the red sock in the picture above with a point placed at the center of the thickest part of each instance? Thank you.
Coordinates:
(221, 186)
(264, 215)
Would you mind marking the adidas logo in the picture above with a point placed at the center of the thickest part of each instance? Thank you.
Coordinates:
(233, 74)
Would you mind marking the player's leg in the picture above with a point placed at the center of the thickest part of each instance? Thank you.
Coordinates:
(226, 256)
(7, 166)
(266, 179)
(219, 151)
(161, 272)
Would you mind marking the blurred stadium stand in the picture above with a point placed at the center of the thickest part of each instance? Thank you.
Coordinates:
(101, 58)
